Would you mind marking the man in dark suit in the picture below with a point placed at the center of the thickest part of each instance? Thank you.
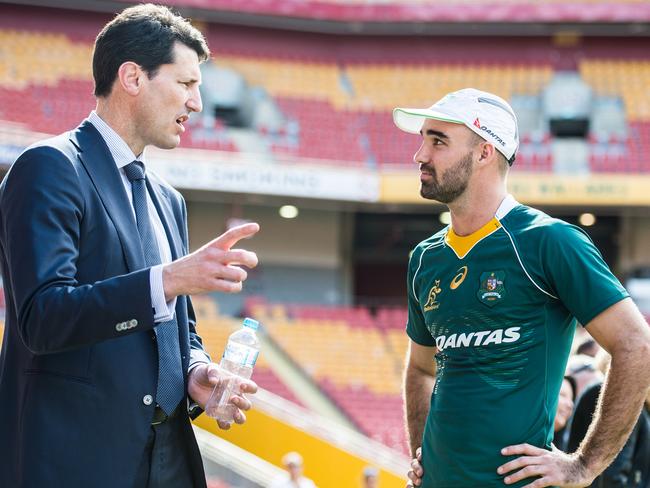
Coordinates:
(101, 366)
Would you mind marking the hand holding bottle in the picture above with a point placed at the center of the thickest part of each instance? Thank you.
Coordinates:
(236, 368)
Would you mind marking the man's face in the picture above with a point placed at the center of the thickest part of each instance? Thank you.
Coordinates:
(446, 160)
(168, 99)
(371, 482)
(295, 471)
(564, 406)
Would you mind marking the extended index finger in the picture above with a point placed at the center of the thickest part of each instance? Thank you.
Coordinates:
(229, 238)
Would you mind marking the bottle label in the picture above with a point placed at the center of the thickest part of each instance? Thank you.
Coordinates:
(240, 354)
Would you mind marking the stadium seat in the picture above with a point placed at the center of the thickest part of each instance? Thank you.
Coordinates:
(338, 110)
(354, 357)
(214, 329)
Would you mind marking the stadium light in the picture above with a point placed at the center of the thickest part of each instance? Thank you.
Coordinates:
(445, 218)
(587, 219)
(288, 212)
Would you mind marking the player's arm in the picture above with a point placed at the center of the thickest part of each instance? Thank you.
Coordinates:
(419, 379)
(621, 331)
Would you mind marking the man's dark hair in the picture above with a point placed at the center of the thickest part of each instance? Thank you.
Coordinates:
(587, 347)
(144, 34)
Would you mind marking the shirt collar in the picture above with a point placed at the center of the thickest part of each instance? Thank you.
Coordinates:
(119, 149)
(507, 204)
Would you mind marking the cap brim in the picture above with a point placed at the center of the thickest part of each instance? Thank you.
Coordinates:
(411, 119)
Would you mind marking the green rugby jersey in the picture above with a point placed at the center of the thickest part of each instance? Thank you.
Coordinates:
(501, 307)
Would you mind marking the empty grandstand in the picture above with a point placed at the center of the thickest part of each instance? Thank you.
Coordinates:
(297, 111)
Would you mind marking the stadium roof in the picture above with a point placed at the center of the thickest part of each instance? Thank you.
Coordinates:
(436, 11)
(400, 17)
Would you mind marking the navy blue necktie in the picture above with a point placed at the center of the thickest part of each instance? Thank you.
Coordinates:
(170, 371)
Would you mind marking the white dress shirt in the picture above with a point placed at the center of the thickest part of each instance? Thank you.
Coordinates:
(123, 155)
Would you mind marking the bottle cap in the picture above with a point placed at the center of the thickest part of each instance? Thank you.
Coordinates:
(251, 323)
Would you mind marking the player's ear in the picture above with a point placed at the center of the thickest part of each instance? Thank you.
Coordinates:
(486, 152)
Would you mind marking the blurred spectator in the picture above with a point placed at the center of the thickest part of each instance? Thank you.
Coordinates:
(631, 467)
(293, 478)
(370, 477)
(588, 347)
(582, 369)
(641, 459)
(564, 411)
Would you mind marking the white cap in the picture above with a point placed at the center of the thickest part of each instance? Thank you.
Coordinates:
(369, 471)
(488, 115)
(292, 459)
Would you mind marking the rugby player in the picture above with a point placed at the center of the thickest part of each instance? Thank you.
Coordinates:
(494, 298)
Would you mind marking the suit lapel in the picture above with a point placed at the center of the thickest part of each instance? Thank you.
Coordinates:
(103, 172)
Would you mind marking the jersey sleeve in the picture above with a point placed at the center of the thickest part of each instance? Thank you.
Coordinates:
(416, 328)
(576, 272)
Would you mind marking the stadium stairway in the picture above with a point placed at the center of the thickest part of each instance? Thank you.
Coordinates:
(334, 455)
(301, 386)
(275, 371)
(229, 466)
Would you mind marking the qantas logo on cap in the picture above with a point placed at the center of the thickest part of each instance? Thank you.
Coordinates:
(477, 123)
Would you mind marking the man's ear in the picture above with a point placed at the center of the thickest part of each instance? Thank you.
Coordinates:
(488, 152)
(129, 76)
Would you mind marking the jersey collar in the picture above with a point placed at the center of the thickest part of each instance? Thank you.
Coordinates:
(507, 204)
(462, 245)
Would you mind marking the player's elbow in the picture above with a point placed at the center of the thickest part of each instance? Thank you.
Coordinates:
(635, 353)
(644, 353)
(415, 374)
(641, 346)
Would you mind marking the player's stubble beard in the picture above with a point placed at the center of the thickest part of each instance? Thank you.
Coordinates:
(449, 185)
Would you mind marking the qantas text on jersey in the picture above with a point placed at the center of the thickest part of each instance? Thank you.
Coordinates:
(481, 338)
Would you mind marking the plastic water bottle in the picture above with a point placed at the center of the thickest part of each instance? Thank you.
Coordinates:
(236, 364)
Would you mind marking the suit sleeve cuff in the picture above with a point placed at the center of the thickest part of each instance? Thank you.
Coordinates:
(197, 357)
(162, 310)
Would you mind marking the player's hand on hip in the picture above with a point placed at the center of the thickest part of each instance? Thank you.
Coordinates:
(202, 380)
(213, 267)
(545, 468)
(415, 473)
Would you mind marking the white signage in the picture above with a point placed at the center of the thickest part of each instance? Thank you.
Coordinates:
(196, 169)
(203, 170)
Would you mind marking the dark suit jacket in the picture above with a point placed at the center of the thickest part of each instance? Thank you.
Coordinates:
(74, 381)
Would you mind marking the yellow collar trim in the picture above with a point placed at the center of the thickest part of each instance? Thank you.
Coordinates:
(462, 245)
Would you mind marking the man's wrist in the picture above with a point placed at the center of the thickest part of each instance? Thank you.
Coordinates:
(583, 467)
(163, 308)
(193, 366)
(168, 282)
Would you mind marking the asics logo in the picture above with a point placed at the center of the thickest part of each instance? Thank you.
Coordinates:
(459, 278)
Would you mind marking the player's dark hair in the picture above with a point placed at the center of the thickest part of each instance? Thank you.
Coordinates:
(144, 34)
